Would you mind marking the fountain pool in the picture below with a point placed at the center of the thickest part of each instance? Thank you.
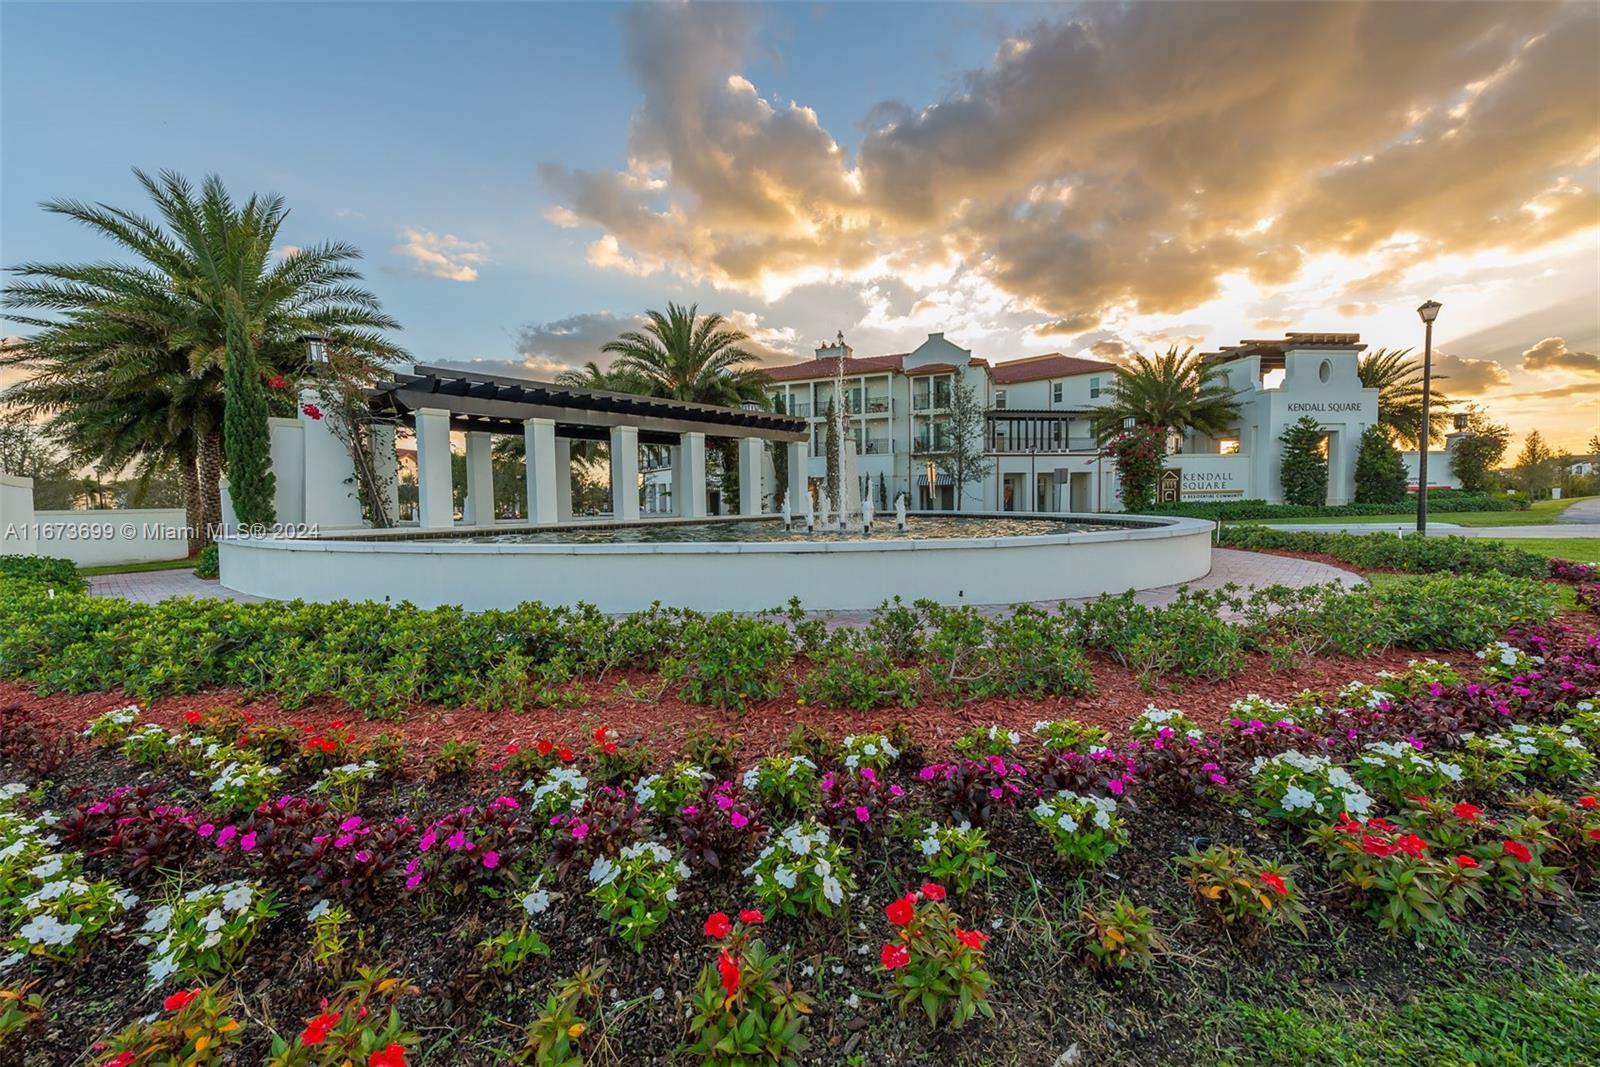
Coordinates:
(730, 564)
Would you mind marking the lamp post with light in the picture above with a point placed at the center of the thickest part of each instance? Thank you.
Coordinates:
(1428, 312)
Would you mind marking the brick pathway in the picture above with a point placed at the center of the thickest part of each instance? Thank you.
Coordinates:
(1227, 565)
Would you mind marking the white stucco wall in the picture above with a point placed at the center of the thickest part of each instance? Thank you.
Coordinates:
(846, 575)
(18, 536)
(113, 535)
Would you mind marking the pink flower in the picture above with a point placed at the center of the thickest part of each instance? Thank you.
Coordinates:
(414, 881)
(739, 820)
(226, 835)
(580, 830)
(205, 829)
(862, 814)
(351, 823)
(344, 840)
(427, 840)
(491, 859)
(456, 841)
(248, 841)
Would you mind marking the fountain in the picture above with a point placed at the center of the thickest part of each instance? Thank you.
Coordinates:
(788, 519)
(866, 514)
(900, 512)
(824, 505)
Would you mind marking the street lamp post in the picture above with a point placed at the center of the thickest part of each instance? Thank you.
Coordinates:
(1428, 312)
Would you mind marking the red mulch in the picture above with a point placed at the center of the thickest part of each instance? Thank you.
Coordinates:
(628, 705)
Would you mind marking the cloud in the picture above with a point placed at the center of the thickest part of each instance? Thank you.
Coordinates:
(1553, 354)
(1126, 160)
(448, 256)
(1468, 377)
(566, 343)
(285, 251)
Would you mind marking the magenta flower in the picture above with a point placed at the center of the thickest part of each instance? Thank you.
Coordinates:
(351, 823)
(491, 859)
(862, 814)
(205, 829)
(580, 830)
(740, 820)
(457, 841)
(248, 841)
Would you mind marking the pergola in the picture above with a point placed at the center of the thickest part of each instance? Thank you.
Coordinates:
(436, 400)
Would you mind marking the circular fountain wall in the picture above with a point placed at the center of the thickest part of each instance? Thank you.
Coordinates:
(735, 565)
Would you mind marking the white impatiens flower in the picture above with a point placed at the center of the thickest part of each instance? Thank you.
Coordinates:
(1297, 799)
(1067, 823)
(318, 910)
(159, 919)
(48, 930)
(536, 902)
(832, 891)
(930, 846)
(213, 921)
(602, 871)
(49, 868)
(784, 877)
(238, 897)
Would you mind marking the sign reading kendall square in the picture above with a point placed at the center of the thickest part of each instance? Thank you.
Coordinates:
(1211, 483)
(1312, 407)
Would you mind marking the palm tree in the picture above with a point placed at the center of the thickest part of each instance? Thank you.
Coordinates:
(683, 356)
(153, 336)
(1398, 380)
(1176, 391)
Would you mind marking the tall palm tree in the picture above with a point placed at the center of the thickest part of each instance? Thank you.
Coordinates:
(1176, 391)
(1398, 379)
(152, 336)
(681, 355)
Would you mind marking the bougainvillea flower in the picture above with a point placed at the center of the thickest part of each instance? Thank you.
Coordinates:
(717, 925)
(180, 999)
(312, 412)
(1518, 851)
(1466, 861)
(316, 1031)
(388, 1056)
(933, 890)
(728, 968)
(971, 938)
(893, 955)
(901, 911)
(1275, 883)
(1466, 811)
(752, 917)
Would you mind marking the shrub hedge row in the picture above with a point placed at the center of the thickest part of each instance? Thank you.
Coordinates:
(1386, 551)
(381, 658)
(1242, 510)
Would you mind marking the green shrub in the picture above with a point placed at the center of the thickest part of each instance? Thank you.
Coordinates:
(1386, 551)
(207, 564)
(851, 671)
(1380, 473)
(58, 574)
(727, 661)
(1304, 469)
(1440, 501)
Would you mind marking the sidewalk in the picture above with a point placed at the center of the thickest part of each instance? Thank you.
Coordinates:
(1446, 529)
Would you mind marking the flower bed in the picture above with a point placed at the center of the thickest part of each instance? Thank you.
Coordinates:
(557, 898)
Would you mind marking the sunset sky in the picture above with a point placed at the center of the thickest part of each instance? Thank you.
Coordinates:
(1026, 178)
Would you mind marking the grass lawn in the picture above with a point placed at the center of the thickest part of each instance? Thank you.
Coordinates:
(1549, 1016)
(1541, 513)
(138, 568)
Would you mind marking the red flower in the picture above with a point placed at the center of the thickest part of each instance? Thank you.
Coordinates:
(543, 746)
(277, 381)
(316, 1031)
(971, 938)
(1347, 824)
(901, 911)
(600, 734)
(192, 718)
(180, 999)
(312, 412)
(1377, 846)
(752, 917)
(121, 1059)
(1589, 802)
(565, 755)
(1379, 824)
(893, 956)
(933, 890)
(388, 1056)
(717, 925)
(1275, 883)
(1466, 811)
(728, 967)
(1594, 835)
(1466, 861)
(609, 747)
(1412, 845)
(1520, 852)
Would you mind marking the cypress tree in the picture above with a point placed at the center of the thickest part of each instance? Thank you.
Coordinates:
(247, 441)
(1380, 472)
(1304, 470)
(831, 444)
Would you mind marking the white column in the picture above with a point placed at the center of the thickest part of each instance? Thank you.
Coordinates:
(435, 506)
(625, 473)
(691, 476)
(797, 490)
(750, 475)
(479, 507)
(675, 460)
(386, 467)
(542, 470)
(563, 477)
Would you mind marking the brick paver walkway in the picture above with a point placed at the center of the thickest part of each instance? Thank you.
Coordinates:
(1227, 565)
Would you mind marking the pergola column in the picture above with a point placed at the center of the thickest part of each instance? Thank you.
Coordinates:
(798, 482)
(750, 449)
(625, 473)
(386, 467)
(435, 501)
(690, 475)
(542, 470)
(563, 476)
(479, 507)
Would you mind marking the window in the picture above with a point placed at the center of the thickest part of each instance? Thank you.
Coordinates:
(919, 393)
(999, 398)
(941, 391)
(1055, 392)
(1094, 388)
(1228, 446)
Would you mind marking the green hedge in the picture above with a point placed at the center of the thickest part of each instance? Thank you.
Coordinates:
(1445, 502)
(208, 564)
(1386, 551)
(59, 574)
(380, 658)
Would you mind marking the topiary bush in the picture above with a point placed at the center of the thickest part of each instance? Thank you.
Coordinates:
(1380, 473)
(207, 564)
(1304, 469)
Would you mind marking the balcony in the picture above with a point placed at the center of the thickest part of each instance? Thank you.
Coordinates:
(879, 446)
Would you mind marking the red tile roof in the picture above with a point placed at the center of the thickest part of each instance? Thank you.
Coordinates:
(931, 368)
(824, 368)
(1050, 365)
